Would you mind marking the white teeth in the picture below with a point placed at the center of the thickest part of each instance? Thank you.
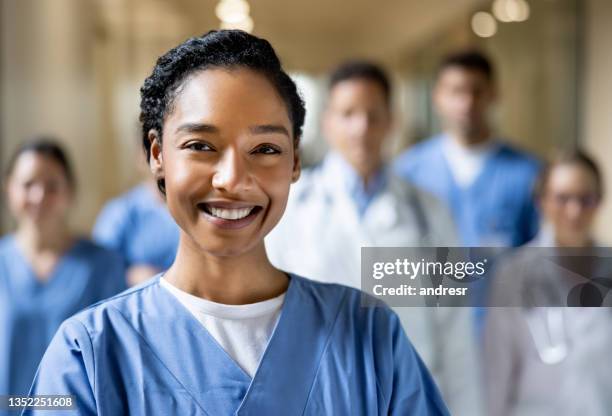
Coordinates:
(230, 214)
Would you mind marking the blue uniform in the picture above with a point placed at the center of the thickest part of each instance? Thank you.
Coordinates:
(497, 209)
(31, 311)
(138, 226)
(143, 353)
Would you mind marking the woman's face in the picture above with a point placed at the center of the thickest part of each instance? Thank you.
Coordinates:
(228, 159)
(38, 190)
(570, 202)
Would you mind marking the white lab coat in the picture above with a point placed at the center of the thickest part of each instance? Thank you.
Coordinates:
(321, 234)
(518, 381)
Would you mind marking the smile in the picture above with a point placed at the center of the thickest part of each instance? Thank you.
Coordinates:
(226, 215)
(230, 214)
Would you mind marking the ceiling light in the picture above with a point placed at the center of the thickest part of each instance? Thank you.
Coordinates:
(484, 24)
(232, 11)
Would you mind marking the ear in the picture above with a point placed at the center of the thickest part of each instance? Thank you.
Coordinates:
(297, 163)
(156, 160)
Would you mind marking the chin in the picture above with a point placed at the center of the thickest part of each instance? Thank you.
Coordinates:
(223, 247)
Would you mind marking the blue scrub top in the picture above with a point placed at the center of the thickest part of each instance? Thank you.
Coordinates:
(142, 352)
(31, 311)
(140, 228)
(497, 209)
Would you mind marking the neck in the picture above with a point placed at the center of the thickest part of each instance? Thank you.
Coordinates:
(574, 241)
(367, 179)
(53, 237)
(470, 138)
(233, 280)
(367, 176)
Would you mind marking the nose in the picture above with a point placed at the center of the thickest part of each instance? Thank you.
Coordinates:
(37, 194)
(468, 101)
(231, 174)
(574, 209)
(361, 123)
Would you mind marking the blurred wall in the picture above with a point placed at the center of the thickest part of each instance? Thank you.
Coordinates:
(597, 98)
(48, 85)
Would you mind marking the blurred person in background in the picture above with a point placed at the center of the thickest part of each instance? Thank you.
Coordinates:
(47, 273)
(352, 199)
(223, 331)
(552, 360)
(139, 227)
(486, 182)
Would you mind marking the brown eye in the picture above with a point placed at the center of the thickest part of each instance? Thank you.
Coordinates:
(199, 147)
(267, 150)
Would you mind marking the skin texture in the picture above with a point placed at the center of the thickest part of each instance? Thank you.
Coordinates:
(39, 198)
(227, 141)
(356, 122)
(571, 220)
(462, 98)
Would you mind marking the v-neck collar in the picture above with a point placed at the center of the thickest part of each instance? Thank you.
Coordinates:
(33, 280)
(214, 380)
(481, 176)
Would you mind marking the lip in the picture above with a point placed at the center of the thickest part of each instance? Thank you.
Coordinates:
(228, 204)
(230, 224)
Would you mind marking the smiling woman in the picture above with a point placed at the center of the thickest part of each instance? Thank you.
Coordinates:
(47, 273)
(223, 331)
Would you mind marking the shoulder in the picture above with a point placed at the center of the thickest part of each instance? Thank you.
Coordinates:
(419, 150)
(91, 249)
(96, 317)
(406, 190)
(518, 158)
(429, 204)
(6, 243)
(353, 307)
(125, 202)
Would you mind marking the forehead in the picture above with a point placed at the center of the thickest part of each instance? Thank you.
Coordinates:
(219, 95)
(571, 176)
(357, 91)
(31, 163)
(456, 74)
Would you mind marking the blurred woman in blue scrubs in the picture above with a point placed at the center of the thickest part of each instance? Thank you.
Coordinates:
(47, 273)
(547, 359)
(223, 331)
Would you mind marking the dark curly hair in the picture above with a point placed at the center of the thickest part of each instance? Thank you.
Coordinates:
(215, 49)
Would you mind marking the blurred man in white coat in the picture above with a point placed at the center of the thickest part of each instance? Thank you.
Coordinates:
(352, 200)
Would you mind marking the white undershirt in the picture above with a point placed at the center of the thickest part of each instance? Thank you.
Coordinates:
(466, 162)
(243, 331)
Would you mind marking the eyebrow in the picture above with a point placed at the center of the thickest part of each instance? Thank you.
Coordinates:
(269, 128)
(196, 128)
(209, 128)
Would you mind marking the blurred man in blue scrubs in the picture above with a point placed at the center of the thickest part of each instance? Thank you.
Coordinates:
(139, 226)
(486, 182)
(354, 200)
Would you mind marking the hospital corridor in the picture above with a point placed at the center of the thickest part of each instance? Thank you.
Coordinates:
(240, 207)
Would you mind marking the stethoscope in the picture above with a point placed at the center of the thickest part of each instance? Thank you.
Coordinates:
(552, 344)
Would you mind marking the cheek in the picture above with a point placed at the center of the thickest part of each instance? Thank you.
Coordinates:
(184, 179)
(551, 211)
(275, 182)
(16, 198)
